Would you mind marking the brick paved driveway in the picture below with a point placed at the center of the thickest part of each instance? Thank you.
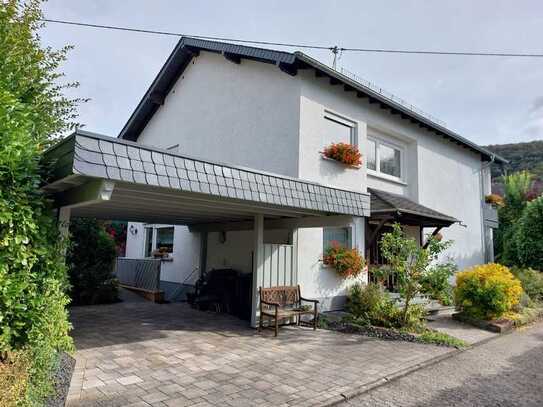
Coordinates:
(145, 354)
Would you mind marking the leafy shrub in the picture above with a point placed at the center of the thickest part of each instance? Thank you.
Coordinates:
(409, 262)
(370, 304)
(345, 153)
(487, 291)
(347, 262)
(532, 282)
(435, 282)
(528, 236)
(33, 318)
(91, 260)
(517, 187)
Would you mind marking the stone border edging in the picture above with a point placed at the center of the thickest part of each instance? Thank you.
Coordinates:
(404, 372)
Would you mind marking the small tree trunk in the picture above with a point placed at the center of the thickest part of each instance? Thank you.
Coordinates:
(406, 308)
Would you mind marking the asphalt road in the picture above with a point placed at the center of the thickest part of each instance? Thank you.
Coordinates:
(507, 371)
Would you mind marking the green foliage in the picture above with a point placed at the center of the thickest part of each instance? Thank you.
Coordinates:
(409, 261)
(371, 305)
(487, 291)
(522, 157)
(33, 280)
(517, 187)
(435, 282)
(532, 282)
(440, 338)
(528, 236)
(91, 260)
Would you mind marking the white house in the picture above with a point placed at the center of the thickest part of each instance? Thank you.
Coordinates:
(274, 112)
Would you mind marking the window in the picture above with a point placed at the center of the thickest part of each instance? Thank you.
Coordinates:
(389, 160)
(164, 239)
(341, 236)
(148, 242)
(337, 130)
(158, 238)
(384, 158)
(371, 156)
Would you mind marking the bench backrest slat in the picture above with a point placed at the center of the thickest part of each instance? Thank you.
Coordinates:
(282, 295)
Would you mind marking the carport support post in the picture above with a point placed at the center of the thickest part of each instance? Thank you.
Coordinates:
(258, 263)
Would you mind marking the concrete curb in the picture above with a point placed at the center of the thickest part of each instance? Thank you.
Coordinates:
(344, 397)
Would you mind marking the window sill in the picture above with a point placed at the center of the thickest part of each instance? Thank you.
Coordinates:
(166, 259)
(386, 178)
(347, 166)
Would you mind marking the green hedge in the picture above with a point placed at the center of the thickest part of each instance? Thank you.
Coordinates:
(33, 320)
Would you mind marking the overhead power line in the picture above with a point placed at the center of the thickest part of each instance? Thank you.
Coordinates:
(302, 46)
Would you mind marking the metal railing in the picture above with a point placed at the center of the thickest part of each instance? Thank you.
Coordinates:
(390, 96)
(138, 273)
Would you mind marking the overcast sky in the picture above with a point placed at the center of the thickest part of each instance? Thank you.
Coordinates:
(488, 100)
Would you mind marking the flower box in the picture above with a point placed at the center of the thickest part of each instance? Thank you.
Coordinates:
(347, 262)
(344, 153)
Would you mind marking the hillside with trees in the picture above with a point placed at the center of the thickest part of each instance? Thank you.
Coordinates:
(521, 156)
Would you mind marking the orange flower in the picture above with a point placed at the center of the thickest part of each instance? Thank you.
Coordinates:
(346, 153)
(347, 262)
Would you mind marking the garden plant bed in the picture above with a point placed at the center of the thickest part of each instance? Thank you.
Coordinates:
(502, 325)
(499, 325)
(391, 334)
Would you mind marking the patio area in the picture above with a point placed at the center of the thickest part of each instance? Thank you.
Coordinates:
(138, 353)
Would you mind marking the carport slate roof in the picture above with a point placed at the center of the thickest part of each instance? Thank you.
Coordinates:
(386, 202)
(188, 47)
(92, 155)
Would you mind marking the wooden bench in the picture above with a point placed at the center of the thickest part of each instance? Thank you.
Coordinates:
(284, 302)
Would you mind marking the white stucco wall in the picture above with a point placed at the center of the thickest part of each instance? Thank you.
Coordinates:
(244, 114)
(437, 173)
(254, 115)
(185, 256)
(236, 251)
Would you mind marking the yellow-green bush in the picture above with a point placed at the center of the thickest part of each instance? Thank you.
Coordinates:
(14, 378)
(487, 291)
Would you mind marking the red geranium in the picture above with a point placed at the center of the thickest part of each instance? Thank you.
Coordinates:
(347, 262)
(345, 153)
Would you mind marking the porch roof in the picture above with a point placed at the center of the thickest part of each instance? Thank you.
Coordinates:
(397, 207)
(111, 178)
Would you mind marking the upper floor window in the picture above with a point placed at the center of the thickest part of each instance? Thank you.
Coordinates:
(384, 158)
(337, 130)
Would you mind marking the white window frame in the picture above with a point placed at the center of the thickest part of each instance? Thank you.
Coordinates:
(345, 121)
(377, 172)
(349, 235)
(154, 231)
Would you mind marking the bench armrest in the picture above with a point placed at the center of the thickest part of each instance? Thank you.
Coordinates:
(275, 304)
(309, 300)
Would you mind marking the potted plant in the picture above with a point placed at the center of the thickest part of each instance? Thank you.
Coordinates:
(347, 262)
(344, 153)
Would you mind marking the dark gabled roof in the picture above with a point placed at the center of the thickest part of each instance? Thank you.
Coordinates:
(385, 204)
(288, 62)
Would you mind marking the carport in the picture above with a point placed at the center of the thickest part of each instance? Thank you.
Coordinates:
(108, 178)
